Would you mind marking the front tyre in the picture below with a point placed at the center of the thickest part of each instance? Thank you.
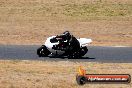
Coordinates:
(43, 51)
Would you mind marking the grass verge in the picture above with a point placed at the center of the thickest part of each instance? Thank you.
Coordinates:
(61, 74)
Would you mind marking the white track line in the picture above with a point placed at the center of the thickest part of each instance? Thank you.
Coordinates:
(109, 46)
(122, 46)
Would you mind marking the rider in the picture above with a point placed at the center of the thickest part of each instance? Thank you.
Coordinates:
(72, 44)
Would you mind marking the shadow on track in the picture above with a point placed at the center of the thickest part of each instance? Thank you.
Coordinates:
(62, 57)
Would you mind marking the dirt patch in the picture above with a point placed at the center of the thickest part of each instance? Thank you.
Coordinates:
(19, 74)
(101, 32)
(107, 22)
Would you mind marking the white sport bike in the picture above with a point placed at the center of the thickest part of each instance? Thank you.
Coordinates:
(47, 49)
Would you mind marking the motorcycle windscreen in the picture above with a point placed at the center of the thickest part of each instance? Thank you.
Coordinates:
(49, 46)
(53, 40)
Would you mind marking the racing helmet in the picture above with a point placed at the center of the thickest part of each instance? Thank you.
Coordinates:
(67, 34)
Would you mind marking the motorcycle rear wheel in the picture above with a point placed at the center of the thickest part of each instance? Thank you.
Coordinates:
(83, 51)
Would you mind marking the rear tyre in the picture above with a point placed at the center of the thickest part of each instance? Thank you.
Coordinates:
(83, 51)
(43, 51)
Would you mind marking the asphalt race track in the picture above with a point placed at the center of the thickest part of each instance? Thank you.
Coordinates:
(95, 54)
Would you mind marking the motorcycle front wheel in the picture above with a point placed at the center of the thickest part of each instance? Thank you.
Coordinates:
(43, 51)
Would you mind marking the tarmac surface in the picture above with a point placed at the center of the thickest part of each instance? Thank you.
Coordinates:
(95, 54)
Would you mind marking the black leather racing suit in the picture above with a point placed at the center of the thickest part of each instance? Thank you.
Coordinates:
(72, 44)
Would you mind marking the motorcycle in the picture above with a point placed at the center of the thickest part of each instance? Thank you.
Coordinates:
(52, 47)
